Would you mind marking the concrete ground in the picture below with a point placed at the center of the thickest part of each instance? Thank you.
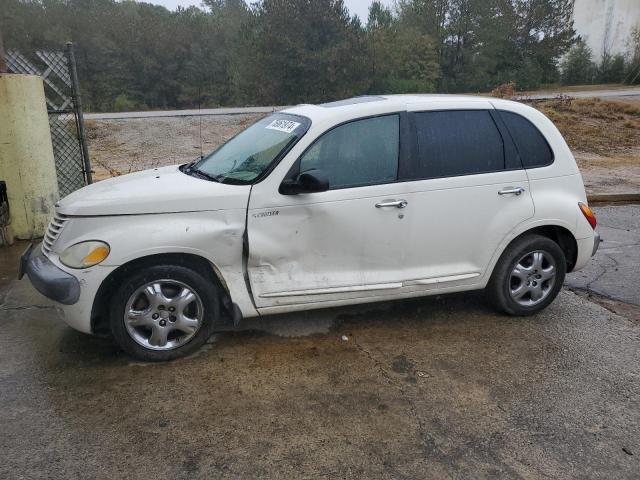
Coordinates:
(615, 270)
(427, 388)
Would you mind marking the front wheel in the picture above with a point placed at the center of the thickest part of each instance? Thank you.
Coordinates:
(528, 276)
(164, 312)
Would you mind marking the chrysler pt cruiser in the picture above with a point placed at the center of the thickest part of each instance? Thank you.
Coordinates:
(367, 199)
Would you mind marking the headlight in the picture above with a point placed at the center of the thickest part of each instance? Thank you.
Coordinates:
(85, 254)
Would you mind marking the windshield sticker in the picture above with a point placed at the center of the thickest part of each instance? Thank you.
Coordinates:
(286, 126)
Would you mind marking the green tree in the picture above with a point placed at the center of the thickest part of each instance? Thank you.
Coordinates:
(633, 65)
(612, 69)
(482, 43)
(403, 59)
(137, 55)
(430, 17)
(578, 67)
(301, 51)
(380, 34)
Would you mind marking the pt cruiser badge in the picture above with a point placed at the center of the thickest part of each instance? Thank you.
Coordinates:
(266, 214)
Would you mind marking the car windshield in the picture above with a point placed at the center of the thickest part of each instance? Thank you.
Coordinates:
(249, 154)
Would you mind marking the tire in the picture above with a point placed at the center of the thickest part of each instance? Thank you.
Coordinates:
(164, 312)
(521, 283)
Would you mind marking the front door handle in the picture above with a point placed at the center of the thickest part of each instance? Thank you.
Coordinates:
(511, 191)
(392, 203)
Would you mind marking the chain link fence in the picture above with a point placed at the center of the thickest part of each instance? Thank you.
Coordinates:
(64, 107)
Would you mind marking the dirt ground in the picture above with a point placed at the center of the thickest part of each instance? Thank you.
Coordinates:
(603, 134)
(439, 387)
(122, 146)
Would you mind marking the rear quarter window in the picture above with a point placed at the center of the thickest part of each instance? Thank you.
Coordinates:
(533, 148)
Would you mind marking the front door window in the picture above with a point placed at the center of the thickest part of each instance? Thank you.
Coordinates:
(359, 153)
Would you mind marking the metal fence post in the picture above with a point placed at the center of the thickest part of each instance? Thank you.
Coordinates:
(78, 107)
(3, 62)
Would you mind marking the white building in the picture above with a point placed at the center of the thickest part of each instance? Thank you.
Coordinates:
(606, 25)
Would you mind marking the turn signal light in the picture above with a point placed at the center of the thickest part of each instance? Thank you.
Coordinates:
(588, 214)
(96, 256)
(85, 254)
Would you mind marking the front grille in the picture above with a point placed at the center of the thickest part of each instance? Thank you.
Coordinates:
(53, 232)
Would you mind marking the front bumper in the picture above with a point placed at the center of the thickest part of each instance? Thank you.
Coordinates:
(47, 278)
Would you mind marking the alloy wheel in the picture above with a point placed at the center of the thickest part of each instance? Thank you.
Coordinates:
(163, 314)
(533, 277)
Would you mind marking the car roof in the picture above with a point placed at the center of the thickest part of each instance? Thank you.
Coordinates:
(328, 115)
(370, 105)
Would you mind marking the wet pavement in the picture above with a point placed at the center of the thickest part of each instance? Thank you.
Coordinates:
(426, 388)
(9, 259)
(614, 272)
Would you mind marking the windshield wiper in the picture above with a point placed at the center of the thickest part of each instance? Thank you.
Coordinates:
(191, 169)
(208, 176)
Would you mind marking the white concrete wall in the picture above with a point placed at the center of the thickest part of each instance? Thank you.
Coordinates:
(606, 25)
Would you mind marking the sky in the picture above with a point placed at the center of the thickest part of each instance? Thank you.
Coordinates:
(356, 7)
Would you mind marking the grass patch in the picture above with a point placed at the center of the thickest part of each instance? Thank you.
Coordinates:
(595, 125)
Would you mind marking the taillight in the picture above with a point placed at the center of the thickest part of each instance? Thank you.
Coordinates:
(588, 214)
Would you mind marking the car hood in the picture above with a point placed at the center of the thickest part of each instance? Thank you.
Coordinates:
(160, 190)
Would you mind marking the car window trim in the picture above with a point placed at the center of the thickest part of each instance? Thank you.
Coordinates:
(415, 150)
(274, 163)
(553, 153)
(294, 171)
(512, 156)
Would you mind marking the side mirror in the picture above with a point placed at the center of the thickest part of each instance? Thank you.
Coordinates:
(312, 181)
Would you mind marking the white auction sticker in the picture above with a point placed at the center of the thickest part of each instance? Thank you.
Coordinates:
(286, 126)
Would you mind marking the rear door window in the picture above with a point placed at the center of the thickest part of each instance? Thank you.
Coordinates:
(533, 148)
(453, 143)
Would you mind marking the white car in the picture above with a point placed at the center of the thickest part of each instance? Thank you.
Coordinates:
(367, 199)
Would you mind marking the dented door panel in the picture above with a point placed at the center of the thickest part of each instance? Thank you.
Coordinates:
(326, 246)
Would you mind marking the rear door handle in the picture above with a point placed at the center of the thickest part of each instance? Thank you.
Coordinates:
(511, 191)
(392, 203)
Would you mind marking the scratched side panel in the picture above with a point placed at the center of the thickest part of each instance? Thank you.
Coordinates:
(304, 247)
(312, 244)
(216, 236)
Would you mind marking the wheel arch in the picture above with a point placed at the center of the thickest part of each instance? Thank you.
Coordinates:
(559, 234)
(100, 321)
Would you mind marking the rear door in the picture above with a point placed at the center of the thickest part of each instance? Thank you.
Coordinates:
(469, 191)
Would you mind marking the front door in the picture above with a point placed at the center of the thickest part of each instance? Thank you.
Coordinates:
(344, 243)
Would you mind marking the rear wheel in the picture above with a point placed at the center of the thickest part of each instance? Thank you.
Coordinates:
(164, 312)
(528, 275)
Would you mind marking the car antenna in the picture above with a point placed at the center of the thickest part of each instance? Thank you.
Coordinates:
(200, 116)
